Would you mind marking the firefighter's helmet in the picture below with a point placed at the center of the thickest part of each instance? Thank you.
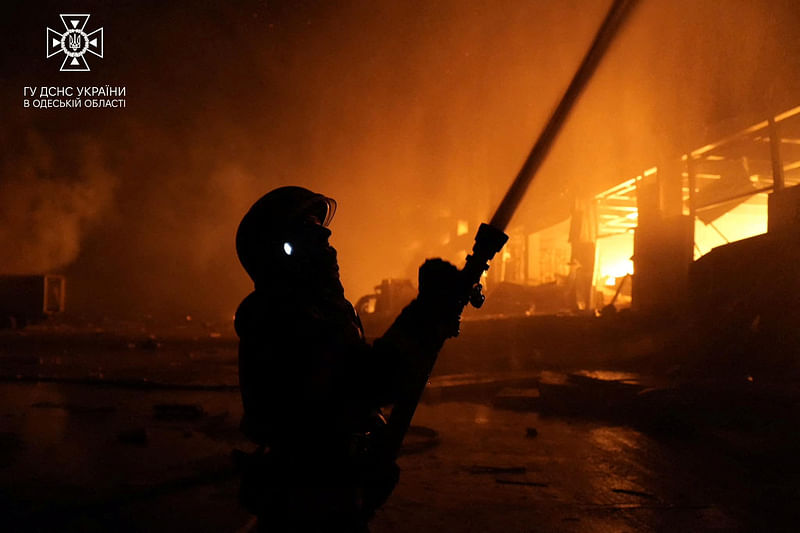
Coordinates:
(263, 234)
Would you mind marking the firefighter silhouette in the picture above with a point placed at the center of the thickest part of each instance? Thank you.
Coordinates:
(312, 387)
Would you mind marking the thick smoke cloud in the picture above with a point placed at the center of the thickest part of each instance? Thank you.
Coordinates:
(48, 203)
(413, 115)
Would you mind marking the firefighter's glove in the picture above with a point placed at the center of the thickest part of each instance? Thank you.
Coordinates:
(442, 295)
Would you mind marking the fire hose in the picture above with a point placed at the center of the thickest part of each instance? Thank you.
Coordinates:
(491, 237)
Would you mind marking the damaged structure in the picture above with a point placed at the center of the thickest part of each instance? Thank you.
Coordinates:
(640, 242)
(700, 249)
(25, 299)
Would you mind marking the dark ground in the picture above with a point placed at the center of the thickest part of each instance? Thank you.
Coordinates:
(119, 431)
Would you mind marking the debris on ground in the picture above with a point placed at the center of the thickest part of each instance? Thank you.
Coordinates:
(531, 432)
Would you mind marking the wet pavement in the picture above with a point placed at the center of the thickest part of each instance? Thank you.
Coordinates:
(115, 453)
(489, 475)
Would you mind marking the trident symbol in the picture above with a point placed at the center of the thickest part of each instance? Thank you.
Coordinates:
(74, 41)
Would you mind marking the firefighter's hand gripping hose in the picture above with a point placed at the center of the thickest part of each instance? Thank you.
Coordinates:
(441, 294)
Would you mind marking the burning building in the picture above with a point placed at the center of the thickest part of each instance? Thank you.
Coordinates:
(635, 243)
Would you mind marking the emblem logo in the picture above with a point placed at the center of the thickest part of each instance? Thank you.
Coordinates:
(74, 43)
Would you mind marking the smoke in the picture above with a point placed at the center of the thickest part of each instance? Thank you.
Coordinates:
(47, 203)
(413, 115)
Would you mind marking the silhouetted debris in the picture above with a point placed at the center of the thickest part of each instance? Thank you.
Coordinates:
(531, 433)
(136, 437)
(487, 469)
(178, 411)
(608, 310)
